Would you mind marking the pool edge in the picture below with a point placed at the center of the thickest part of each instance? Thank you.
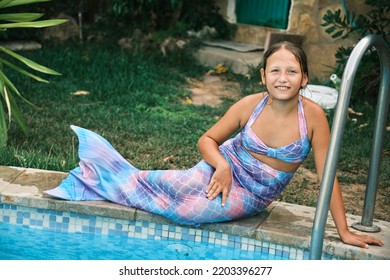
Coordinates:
(281, 223)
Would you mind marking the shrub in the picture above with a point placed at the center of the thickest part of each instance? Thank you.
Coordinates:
(376, 21)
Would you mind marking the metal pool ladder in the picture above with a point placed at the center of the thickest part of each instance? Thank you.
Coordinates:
(317, 237)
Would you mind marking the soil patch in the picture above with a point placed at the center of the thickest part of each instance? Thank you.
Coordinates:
(212, 90)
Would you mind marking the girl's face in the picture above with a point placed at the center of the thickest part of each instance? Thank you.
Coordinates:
(283, 76)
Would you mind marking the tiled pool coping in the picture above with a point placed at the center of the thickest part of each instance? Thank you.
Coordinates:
(281, 223)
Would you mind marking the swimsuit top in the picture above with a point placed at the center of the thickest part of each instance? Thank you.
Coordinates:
(295, 152)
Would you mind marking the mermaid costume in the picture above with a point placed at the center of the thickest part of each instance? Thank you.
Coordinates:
(179, 195)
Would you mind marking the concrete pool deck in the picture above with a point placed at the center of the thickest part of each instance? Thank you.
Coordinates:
(281, 223)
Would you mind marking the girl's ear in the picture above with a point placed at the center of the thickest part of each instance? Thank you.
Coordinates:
(305, 81)
(262, 75)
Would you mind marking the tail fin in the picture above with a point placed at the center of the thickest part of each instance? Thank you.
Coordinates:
(99, 164)
(94, 148)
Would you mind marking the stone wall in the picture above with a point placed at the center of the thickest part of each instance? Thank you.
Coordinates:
(305, 19)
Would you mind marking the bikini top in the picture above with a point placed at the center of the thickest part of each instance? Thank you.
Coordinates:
(295, 152)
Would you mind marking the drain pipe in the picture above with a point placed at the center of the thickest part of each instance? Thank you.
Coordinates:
(317, 237)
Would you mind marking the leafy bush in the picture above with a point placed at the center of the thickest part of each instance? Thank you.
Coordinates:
(155, 15)
(376, 21)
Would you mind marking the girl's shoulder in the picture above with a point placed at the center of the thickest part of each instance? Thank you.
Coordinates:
(243, 108)
(312, 108)
(315, 115)
(252, 100)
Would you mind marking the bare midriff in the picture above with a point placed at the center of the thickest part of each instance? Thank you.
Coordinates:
(276, 163)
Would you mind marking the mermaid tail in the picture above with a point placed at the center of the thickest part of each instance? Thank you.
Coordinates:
(104, 174)
(176, 194)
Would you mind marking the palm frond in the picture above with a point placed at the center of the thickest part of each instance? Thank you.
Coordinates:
(8, 90)
(22, 71)
(33, 24)
(12, 3)
(20, 17)
(29, 63)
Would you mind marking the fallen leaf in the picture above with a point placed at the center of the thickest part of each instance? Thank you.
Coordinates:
(188, 100)
(362, 125)
(168, 159)
(80, 92)
(221, 68)
(351, 111)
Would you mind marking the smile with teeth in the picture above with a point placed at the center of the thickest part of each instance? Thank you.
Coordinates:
(282, 87)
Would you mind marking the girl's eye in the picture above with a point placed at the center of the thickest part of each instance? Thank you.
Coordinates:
(274, 70)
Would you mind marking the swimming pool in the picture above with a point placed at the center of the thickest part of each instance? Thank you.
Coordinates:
(39, 234)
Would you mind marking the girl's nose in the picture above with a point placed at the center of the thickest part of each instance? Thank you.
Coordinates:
(283, 77)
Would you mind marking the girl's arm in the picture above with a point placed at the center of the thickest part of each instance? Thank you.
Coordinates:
(320, 142)
(210, 141)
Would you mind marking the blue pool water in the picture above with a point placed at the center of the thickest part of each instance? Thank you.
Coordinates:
(29, 233)
(20, 242)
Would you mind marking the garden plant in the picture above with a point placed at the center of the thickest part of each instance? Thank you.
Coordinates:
(8, 90)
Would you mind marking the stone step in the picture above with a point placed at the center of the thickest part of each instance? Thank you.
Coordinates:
(239, 62)
(21, 45)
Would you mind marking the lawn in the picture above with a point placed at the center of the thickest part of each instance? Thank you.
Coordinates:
(134, 102)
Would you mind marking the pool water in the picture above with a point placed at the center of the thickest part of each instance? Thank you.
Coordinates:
(20, 242)
(28, 233)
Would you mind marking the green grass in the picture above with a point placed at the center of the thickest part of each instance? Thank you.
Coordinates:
(134, 102)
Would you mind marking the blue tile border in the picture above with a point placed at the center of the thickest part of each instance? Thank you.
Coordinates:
(81, 223)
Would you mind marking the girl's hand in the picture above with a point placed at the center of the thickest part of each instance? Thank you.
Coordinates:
(362, 241)
(220, 183)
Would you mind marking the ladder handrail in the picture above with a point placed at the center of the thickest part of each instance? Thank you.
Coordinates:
(317, 237)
